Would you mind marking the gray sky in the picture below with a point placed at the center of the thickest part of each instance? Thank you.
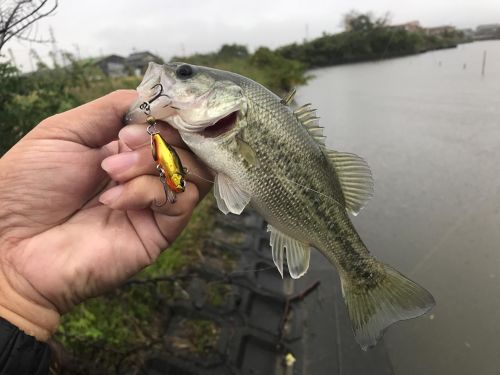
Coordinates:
(170, 27)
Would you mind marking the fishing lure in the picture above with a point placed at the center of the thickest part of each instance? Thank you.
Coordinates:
(168, 163)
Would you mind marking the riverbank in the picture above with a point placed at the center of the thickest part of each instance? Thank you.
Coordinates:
(368, 39)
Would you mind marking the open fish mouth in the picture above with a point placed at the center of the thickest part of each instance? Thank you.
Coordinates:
(206, 128)
(222, 126)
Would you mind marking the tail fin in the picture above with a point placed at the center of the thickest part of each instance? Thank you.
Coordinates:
(374, 308)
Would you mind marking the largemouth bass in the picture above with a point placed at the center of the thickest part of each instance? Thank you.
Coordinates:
(268, 155)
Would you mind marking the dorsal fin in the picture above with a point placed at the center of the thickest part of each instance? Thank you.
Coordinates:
(289, 97)
(307, 117)
(355, 178)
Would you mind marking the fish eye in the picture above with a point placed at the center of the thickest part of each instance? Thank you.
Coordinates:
(184, 71)
(183, 183)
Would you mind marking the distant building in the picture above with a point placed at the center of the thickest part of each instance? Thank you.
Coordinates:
(112, 65)
(412, 26)
(138, 61)
(441, 30)
(484, 32)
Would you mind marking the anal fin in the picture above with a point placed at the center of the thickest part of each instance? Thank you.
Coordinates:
(297, 253)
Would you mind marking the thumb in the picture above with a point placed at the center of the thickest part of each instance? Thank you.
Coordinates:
(94, 124)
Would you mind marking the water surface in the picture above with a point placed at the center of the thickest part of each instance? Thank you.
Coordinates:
(429, 126)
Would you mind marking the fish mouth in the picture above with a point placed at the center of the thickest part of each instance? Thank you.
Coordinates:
(222, 126)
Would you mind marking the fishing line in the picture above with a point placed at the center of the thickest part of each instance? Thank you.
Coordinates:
(388, 44)
(234, 273)
(317, 192)
(287, 179)
(239, 272)
(197, 175)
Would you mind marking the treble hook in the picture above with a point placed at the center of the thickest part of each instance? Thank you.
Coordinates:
(165, 187)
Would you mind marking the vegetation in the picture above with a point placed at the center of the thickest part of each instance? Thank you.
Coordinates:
(366, 38)
(26, 99)
(18, 16)
(274, 71)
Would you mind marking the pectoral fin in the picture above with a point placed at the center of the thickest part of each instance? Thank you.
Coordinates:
(297, 253)
(229, 196)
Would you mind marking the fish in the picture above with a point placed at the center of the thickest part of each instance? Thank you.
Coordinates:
(272, 156)
(168, 163)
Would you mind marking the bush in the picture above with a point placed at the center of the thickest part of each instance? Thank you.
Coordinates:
(27, 99)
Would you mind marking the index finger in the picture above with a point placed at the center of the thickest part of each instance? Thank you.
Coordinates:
(94, 124)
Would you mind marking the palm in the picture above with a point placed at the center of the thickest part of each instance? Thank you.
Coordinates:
(64, 207)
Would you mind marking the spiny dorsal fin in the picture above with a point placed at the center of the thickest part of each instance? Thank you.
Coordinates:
(307, 117)
(355, 178)
(289, 97)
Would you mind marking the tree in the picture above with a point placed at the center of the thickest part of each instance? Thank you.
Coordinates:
(233, 51)
(18, 16)
(356, 21)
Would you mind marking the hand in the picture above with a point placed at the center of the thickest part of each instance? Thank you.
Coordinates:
(62, 239)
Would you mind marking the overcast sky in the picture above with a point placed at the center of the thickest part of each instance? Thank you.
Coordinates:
(168, 28)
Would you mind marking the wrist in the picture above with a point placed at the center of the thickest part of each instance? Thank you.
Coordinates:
(31, 317)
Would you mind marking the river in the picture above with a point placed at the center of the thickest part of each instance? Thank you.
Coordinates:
(429, 126)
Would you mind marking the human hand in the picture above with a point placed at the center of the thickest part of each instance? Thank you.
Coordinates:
(62, 240)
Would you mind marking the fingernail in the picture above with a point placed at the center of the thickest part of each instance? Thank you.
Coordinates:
(134, 135)
(111, 195)
(120, 162)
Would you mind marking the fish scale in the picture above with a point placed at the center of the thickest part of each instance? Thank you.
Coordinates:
(269, 157)
(293, 140)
